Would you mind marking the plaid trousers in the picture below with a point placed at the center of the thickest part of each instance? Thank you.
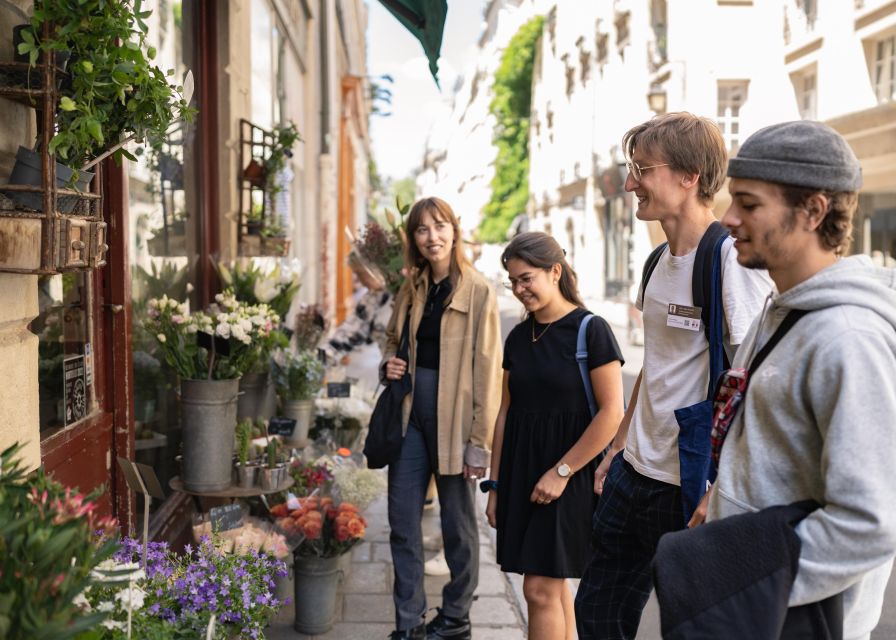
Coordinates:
(631, 515)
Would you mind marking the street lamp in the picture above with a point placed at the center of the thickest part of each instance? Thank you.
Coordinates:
(656, 99)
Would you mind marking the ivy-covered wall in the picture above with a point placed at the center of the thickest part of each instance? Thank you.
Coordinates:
(511, 107)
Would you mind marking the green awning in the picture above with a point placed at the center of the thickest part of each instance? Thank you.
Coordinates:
(426, 20)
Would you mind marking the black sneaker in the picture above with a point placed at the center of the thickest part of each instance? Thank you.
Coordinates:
(443, 627)
(417, 633)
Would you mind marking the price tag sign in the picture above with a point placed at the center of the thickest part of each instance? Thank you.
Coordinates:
(339, 389)
(281, 426)
(224, 518)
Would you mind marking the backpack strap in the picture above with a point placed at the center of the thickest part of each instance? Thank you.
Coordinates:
(702, 282)
(712, 312)
(650, 266)
(582, 360)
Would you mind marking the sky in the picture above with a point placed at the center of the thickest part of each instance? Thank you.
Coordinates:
(399, 140)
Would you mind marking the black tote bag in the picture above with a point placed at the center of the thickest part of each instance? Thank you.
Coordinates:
(384, 437)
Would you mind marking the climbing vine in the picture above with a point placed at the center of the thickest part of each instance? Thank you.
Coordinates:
(511, 107)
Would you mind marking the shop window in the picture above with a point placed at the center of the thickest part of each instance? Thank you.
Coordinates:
(883, 68)
(65, 366)
(731, 97)
(164, 244)
(804, 87)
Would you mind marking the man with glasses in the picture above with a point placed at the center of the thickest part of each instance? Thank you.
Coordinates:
(676, 166)
(816, 421)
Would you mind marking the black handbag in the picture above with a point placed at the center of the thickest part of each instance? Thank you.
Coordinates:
(384, 433)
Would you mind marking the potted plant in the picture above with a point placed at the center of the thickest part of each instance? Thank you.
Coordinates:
(180, 595)
(273, 475)
(48, 553)
(210, 351)
(246, 470)
(298, 377)
(273, 239)
(117, 94)
(255, 219)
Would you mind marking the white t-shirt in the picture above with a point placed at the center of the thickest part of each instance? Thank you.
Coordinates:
(676, 360)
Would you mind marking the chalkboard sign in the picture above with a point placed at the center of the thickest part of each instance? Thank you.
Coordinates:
(339, 389)
(281, 426)
(213, 343)
(229, 516)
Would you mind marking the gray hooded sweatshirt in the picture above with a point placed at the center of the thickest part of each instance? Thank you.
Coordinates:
(819, 422)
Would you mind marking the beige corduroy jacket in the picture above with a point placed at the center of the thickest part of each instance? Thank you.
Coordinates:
(469, 367)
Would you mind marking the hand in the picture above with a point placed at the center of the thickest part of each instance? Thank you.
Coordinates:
(699, 516)
(473, 473)
(491, 509)
(550, 487)
(395, 368)
(600, 474)
(345, 360)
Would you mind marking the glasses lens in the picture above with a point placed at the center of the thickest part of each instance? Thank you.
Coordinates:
(508, 285)
(634, 170)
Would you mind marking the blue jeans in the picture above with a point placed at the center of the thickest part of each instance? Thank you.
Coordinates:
(408, 481)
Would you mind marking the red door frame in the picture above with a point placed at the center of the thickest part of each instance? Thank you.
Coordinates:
(85, 454)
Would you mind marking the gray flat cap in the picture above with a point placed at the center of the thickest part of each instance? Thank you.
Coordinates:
(801, 153)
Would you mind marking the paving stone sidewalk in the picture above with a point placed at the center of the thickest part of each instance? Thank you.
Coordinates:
(364, 610)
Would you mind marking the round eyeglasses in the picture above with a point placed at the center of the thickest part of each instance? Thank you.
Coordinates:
(637, 171)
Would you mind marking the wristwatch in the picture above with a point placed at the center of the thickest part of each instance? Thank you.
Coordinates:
(563, 470)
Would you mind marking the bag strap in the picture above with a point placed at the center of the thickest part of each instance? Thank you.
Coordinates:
(582, 360)
(650, 266)
(786, 325)
(404, 341)
(712, 313)
(708, 254)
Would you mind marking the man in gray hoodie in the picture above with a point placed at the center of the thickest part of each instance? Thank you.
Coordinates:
(817, 420)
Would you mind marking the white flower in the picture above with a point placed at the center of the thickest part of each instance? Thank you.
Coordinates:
(240, 334)
(133, 596)
(223, 330)
(81, 602)
(161, 338)
(265, 289)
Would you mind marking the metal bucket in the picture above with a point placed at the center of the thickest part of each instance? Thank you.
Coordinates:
(254, 392)
(208, 418)
(316, 583)
(302, 411)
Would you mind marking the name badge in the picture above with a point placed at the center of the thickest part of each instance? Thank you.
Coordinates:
(682, 316)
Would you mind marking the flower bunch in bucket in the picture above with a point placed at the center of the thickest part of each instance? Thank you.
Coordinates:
(297, 376)
(254, 281)
(309, 477)
(329, 529)
(220, 343)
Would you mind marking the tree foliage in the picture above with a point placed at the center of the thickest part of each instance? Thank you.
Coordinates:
(511, 107)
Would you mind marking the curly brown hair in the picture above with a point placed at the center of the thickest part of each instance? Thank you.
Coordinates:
(835, 229)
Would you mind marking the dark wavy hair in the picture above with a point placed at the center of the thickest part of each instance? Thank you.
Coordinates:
(541, 251)
(835, 229)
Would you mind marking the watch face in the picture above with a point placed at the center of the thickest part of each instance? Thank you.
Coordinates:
(563, 470)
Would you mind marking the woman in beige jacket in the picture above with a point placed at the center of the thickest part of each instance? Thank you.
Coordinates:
(455, 365)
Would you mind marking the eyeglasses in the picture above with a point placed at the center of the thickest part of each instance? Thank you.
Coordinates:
(525, 281)
(638, 171)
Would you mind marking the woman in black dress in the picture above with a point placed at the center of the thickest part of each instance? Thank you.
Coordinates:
(546, 441)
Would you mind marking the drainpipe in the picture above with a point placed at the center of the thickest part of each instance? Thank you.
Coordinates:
(324, 79)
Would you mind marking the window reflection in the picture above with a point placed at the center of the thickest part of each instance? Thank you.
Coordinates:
(65, 368)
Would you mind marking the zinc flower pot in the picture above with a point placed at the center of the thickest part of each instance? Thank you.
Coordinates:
(208, 419)
(316, 585)
(302, 411)
(253, 402)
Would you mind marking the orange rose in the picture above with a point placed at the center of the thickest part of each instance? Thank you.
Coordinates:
(326, 500)
(279, 510)
(356, 528)
(348, 507)
(312, 530)
(342, 534)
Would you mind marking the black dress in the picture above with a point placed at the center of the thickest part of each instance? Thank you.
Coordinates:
(548, 413)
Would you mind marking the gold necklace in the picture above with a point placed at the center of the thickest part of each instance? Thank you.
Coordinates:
(534, 339)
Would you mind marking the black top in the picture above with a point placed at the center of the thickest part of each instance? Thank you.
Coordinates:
(431, 325)
(547, 415)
